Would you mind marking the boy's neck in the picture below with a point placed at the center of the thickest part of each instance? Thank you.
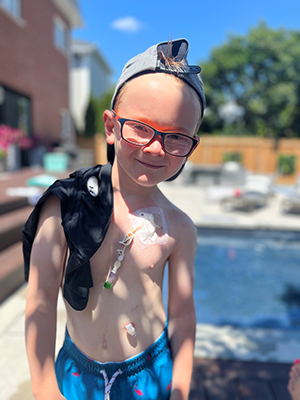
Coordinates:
(129, 189)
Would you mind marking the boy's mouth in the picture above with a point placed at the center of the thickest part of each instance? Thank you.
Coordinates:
(152, 166)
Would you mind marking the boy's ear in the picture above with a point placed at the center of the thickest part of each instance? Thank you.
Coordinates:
(108, 119)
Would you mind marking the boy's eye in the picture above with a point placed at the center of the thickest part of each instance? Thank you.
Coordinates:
(179, 139)
(173, 136)
(140, 127)
(174, 139)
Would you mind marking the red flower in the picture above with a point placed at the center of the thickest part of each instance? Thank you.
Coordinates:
(9, 135)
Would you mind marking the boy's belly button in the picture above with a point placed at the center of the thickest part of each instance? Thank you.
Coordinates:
(104, 342)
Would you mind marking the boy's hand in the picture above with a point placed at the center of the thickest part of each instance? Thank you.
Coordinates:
(176, 395)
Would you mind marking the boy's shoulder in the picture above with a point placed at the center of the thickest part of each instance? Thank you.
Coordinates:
(90, 181)
(176, 217)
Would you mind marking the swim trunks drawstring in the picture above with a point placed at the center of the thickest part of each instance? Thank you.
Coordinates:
(108, 385)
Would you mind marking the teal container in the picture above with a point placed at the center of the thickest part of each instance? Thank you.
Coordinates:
(56, 162)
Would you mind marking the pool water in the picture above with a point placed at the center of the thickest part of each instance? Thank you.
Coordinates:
(247, 281)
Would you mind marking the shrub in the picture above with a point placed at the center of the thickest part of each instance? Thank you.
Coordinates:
(232, 157)
(286, 164)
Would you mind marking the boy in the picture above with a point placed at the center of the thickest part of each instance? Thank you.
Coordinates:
(105, 235)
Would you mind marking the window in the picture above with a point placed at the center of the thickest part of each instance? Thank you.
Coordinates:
(13, 7)
(15, 110)
(60, 34)
(77, 61)
(23, 107)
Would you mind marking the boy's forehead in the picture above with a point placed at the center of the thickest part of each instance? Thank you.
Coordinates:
(157, 84)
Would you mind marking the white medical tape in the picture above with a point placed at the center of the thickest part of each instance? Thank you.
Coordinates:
(152, 226)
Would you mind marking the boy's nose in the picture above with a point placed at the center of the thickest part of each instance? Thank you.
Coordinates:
(155, 146)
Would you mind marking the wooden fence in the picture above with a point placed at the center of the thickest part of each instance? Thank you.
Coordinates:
(258, 155)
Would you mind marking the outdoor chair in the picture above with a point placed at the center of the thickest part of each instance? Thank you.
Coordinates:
(291, 201)
(255, 193)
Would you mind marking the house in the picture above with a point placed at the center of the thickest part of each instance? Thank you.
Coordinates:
(34, 67)
(89, 75)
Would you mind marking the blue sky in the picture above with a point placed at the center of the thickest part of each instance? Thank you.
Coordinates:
(122, 29)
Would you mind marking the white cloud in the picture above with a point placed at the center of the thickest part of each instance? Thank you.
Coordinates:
(127, 24)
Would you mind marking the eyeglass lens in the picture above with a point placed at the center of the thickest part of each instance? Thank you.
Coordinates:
(174, 143)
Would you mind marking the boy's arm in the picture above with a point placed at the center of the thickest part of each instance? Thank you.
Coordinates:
(46, 270)
(181, 310)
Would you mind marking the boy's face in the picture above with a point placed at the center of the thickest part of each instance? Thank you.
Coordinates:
(167, 104)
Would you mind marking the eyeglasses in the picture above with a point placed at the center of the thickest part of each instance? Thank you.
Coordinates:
(140, 134)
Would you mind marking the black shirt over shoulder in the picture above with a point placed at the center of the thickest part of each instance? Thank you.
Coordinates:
(86, 215)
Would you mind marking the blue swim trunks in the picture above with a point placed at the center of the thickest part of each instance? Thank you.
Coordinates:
(147, 375)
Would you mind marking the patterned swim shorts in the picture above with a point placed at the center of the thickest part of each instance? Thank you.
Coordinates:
(147, 375)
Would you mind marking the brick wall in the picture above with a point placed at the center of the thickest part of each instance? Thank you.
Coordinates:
(31, 65)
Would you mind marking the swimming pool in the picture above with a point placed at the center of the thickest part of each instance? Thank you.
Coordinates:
(248, 279)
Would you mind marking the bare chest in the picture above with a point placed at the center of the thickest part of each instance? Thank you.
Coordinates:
(123, 257)
(136, 243)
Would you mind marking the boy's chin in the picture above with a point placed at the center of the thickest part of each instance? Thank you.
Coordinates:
(147, 181)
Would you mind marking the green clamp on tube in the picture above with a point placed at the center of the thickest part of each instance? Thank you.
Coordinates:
(107, 285)
(110, 279)
(112, 275)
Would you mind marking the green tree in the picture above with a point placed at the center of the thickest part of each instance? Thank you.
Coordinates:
(91, 118)
(103, 104)
(252, 84)
(94, 113)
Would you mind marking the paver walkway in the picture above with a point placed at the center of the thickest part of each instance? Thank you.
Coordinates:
(236, 380)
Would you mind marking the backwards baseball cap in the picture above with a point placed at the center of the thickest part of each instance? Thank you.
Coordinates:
(153, 60)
